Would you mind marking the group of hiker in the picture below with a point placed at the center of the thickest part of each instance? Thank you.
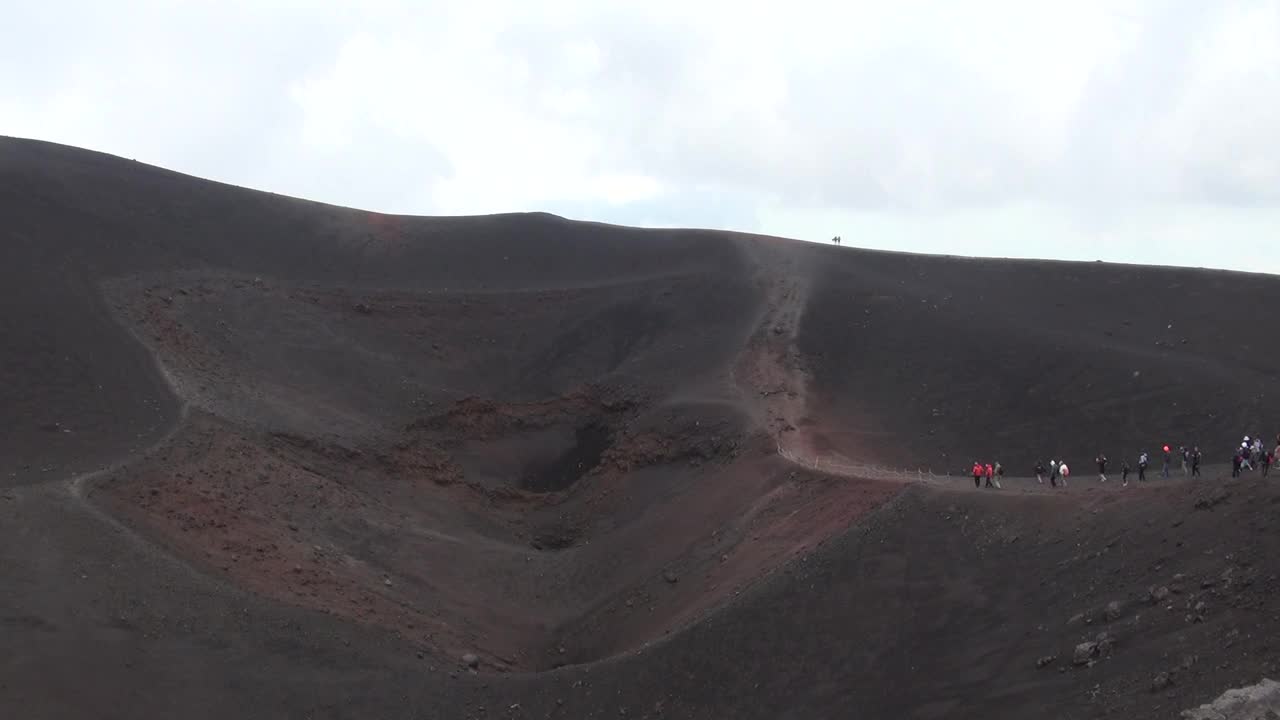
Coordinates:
(992, 473)
(1191, 458)
(1249, 455)
(1252, 454)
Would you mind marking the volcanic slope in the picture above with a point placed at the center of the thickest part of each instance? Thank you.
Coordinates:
(271, 458)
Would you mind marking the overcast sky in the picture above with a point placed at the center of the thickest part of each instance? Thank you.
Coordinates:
(1123, 130)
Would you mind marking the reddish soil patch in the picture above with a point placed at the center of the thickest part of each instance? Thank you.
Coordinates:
(401, 539)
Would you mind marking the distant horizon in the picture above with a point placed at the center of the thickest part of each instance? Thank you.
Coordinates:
(931, 249)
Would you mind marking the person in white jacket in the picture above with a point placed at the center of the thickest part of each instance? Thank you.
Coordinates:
(1064, 471)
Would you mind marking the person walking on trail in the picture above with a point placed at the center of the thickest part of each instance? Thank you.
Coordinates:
(1142, 467)
(999, 475)
(1195, 461)
(1102, 467)
(977, 474)
(1053, 473)
(1040, 471)
(1164, 470)
(991, 472)
(1244, 458)
(1236, 461)
(1266, 461)
(1124, 473)
(1186, 458)
(1064, 471)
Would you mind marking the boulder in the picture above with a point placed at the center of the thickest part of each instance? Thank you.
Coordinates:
(1084, 653)
(1255, 702)
(1113, 611)
(1105, 643)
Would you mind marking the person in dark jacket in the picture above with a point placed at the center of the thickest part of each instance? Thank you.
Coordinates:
(1124, 473)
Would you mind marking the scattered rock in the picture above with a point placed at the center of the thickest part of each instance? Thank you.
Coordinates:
(1105, 643)
(1113, 611)
(1160, 682)
(471, 660)
(363, 308)
(1084, 653)
(1158, 594)
(1207, 502)
(670, 576)
(1046, 661)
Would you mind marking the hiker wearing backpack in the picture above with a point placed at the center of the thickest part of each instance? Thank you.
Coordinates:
(1053, 473)
(990, 474)
(1164, 470)
(1195, 461)
(1040, 471)
(1124, 473)
(1064, 471)
(977, 474)
(1102, 467)
(1142, 467)
(999, 475)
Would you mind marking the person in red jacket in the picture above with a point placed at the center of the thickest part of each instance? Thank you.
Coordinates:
(991, 472)
(977, 474)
